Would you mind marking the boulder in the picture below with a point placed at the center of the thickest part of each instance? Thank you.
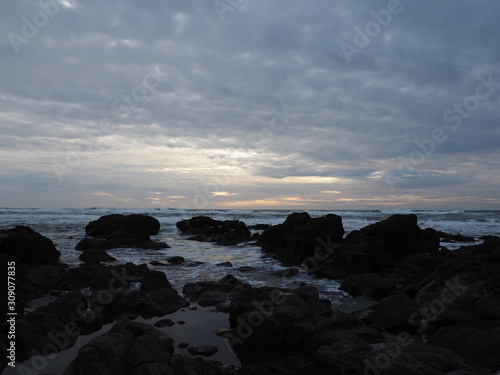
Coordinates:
(300, 237)
(28, 246)
(206, 229)
(206, 351)
(213, 293)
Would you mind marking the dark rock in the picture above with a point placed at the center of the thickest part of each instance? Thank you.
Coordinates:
(286, 273)
(393, 314)
(128, 348)
(472, 343)
(109, 224)
(213, 293)
(269, 321)
(41, 280)
(96, 256)
(206, 229)
(259, 226)
(121, 231)
(206, 351)
(162, 302)
(176, 260)
(118, 240)
(157, 263)
(112, 277)
(375, 247)
(183, 345)
(454, 237)
(28, 246)
(368, 284)
(224, 264)
(300, 236)
(164, 323)
(246, 269)
(154, 280)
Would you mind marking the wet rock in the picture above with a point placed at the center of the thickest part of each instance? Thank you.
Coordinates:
(164, 323)
(157, 263)
(370, 285)
(162, 302)
(95, 257)
(300, 236)
(154, 280)
(206, 229)
(224, 264)
(28, 246)
(206, 351)
(213, 293)
(117, 276)
(176, 260)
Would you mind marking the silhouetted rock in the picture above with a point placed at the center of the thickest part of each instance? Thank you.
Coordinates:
(206, 229)
(300, 236)
(121, 231)
(375, 247)
(109, 224)
(28, 246)
(96, 256)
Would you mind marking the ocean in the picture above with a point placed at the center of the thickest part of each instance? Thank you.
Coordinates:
(66, 227)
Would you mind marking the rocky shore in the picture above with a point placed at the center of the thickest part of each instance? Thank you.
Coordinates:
(434, 311)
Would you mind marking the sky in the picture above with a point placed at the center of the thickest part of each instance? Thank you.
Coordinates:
(265, 104)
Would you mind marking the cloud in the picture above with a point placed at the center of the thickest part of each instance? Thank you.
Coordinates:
(75, 97)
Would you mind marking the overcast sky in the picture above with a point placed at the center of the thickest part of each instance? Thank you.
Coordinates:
(333, 104)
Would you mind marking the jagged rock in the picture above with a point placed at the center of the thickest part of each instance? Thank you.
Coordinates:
(206, 351)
